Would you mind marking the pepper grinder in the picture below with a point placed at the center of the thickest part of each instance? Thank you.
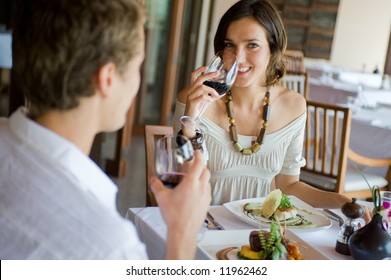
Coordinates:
(353, 211)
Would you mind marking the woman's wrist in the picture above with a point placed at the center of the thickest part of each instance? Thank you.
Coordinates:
(189, 132)
(196, 141)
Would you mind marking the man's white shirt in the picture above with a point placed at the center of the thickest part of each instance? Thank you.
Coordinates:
(55, 202)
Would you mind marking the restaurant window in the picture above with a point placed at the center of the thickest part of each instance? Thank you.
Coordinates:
(157, 35)
(171, 51)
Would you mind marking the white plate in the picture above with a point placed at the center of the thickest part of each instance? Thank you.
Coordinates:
(316, 218)
(214, 241)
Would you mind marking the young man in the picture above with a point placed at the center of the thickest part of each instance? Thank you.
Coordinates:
(77, 62)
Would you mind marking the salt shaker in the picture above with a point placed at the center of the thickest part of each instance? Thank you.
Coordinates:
(353, 211)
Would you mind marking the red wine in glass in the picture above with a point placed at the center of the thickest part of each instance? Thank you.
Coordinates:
(171, 180)
(222, 84)
(221, 88)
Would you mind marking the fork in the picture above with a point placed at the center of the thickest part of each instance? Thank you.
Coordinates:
(334, 216)
(215, 225)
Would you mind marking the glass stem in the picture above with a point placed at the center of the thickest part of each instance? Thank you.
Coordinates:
(201, 110)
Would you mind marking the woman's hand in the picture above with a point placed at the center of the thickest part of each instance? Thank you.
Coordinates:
(198, 93)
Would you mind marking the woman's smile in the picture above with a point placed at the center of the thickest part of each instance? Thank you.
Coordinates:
(243, 69)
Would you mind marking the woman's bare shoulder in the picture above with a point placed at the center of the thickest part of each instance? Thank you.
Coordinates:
(289, 105)
(295, 101)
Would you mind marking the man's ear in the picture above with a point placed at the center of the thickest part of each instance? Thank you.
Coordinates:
(105, 78)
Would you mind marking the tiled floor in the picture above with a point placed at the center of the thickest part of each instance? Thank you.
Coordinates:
(131, 188)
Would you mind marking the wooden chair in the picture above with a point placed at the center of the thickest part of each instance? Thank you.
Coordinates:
(296, 77)
(296, 82)
(151, 134)
(328, 156)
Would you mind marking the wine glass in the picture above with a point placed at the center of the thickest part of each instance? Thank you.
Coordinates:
(171, 154)
(228, 69)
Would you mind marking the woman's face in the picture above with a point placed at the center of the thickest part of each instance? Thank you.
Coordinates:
(247, 39)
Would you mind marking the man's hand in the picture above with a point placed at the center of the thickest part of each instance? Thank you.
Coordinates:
(184, 208)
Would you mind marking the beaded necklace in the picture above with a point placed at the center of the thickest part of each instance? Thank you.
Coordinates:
(232, 128)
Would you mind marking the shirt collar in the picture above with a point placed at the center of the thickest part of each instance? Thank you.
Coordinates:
(61, 152)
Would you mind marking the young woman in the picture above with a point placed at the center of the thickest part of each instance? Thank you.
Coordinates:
(255, 131)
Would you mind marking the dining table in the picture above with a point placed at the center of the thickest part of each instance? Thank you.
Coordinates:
(152, 231)
(340, 92)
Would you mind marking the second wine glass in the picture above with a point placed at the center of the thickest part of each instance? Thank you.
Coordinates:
(171, 154)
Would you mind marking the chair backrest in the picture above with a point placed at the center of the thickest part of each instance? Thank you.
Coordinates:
(326, 146)
(330, 159)
(296, 82)
(152, 133)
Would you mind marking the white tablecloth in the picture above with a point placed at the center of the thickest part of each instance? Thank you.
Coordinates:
(377, 117)
(152, 231)
(338, 92)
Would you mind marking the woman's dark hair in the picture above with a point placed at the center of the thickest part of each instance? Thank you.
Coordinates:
(263, 12)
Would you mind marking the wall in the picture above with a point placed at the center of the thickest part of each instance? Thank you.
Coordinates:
(361, 35)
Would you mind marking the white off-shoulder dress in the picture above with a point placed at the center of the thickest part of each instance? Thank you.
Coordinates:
(236, 176)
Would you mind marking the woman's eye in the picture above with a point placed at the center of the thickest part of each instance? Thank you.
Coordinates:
(228, 45)
(252, 46)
